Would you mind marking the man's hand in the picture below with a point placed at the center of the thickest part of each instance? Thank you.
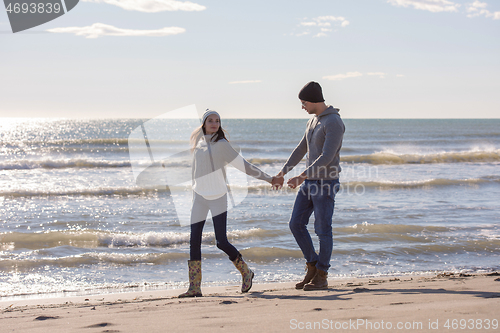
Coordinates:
(296, 181)
(277, 181)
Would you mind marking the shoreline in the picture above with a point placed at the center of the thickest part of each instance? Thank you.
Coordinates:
(157, 288)
(276, 307)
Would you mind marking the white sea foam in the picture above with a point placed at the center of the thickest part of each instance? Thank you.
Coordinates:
(48, 163)
(390, 157)
(99, 238)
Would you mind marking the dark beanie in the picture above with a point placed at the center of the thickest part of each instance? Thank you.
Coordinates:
(311, 93)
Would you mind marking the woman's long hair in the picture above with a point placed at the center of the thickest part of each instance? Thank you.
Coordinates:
(200, 131)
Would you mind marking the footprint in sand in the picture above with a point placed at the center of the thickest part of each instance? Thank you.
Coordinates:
(227, 302)
(99, 325)
(360, 290)
(45, 318)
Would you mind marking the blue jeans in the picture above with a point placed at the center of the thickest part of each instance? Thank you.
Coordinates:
(316, 196)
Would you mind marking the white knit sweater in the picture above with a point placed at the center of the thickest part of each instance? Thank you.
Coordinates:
(208, 173)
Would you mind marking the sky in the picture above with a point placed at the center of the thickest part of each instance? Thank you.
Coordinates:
(249, 59)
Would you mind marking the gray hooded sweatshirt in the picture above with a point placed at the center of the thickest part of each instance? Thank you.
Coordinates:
(322, 142)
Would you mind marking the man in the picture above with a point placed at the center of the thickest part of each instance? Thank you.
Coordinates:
(319, 183)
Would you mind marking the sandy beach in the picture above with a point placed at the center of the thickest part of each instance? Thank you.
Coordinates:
(433, 303)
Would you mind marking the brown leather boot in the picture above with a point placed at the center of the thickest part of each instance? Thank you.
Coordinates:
(311, 272)
(319, 282)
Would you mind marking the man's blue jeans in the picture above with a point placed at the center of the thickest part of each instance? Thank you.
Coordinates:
(316, 196)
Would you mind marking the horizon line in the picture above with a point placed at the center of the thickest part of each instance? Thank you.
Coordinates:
(232, 118)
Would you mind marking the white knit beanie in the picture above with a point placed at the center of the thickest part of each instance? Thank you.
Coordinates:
(208, 113)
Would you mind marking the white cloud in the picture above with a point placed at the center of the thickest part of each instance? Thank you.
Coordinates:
(340, 19)
(320, 34)
(400, 75)
(100, 29)
(478, 8)
(325, 21)
(308, 24)
(247, 81)
(477, 4)
(339, 77)
(379, 74)
(152, 6)
(473, 9)
(434, 6)
(321, 24)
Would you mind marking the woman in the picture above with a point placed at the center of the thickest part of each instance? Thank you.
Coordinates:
(212, 152)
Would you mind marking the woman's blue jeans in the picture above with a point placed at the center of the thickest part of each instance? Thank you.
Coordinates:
(316, 196)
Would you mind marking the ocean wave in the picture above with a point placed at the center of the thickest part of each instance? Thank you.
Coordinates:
(258, 254)
(269, 254)
(434, 182)
(100, 142)
(348, 185)
(101, 191)
(388, 157)
(378, 158)
(259, 189)
(68, 163)
(261, 161)
(433, 249)
(381, 228)
(90, 142)
(373, 233)
(106, 239)
(68, 142)
(92, 258)
(165, 239)
(61, 164)
(354, 253)
(67, 150)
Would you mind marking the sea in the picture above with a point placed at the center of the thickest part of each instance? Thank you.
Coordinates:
(417, 196)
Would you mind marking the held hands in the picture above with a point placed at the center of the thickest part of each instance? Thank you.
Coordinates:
(293, 182)
(277, 182)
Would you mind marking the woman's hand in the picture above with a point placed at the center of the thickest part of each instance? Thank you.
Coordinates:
(277, 182)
